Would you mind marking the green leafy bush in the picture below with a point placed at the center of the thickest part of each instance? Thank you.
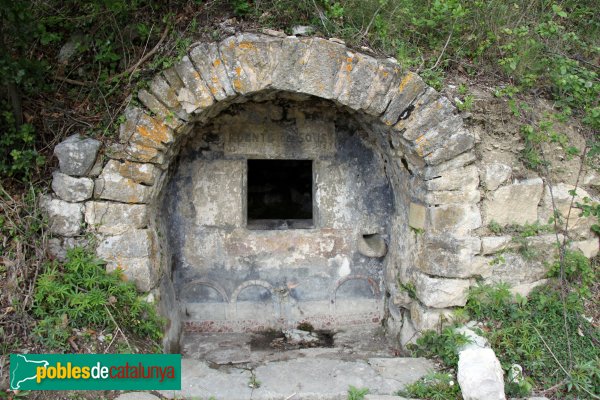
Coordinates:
(18, 157)
(81, 294)
(544, 334)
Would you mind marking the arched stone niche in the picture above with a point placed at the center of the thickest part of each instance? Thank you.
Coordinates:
(425, 154)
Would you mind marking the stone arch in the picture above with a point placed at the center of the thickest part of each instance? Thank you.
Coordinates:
(428, 155)
(247, 284)
(213, 285)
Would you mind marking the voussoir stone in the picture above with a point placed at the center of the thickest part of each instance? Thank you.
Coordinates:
(76, 156)
(516, 203)
(72, 189)
(64, 218)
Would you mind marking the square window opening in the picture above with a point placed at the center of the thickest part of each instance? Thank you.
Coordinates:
(280, 194)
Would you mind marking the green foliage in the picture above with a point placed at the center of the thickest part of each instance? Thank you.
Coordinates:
(435, 386)
(444, 345)
(495, 227)
(576, 269)
(409, 288)
(81, 293)
(18, 156)
(589, 208)
(531, 332)
(356, 393)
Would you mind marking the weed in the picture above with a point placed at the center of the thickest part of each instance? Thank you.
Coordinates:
(444, 345)
(253, 382)
(409, 288)
(436, 385)
(81, 293)
(356, 393)
(466, 103)
(531, 332)
(576, 269)
(495, 227)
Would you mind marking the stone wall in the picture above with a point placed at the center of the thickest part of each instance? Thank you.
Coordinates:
(446, 187)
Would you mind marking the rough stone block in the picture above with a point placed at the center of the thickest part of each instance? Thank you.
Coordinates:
(408, 333)
(495, 174)
(416, 216)
(589, 248)
(72, 189)
(441, 292)
(514, 204)
(115, 218)
(64, 218)
(455, 145)
(515, 270)
(134, 253)
(452, 197)
(494, 244)
(135, 153)
(462, 179)
(144, 173)
(425, 319)
(453, 257)
(249, 61)
(562, 201)
(111, 185)
(458, 162)
(459, 219)
(76, 156)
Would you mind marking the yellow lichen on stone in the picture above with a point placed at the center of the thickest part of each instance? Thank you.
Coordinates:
(405, 80)
(216, 63)
(154, 131)
(247, 46)
(237, 84)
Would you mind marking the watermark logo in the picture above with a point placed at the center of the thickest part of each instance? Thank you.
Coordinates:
(95, 371)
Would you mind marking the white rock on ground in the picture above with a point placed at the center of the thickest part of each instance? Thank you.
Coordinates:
(480, 374)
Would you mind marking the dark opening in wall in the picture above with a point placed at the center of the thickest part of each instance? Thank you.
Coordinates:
(280, 194)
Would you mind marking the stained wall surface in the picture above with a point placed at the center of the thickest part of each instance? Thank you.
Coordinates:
(230, 275)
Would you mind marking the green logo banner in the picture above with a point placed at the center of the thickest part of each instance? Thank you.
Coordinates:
(95, 371)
